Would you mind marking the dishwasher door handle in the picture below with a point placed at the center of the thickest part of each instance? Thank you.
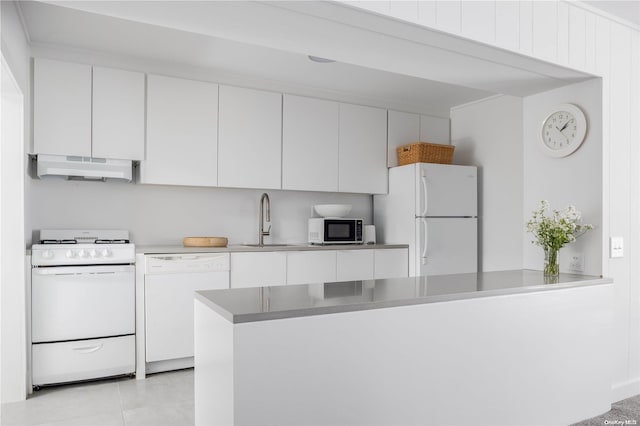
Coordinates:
(177, 263)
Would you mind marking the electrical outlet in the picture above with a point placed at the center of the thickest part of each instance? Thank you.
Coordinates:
(616, 247)
(576, 262)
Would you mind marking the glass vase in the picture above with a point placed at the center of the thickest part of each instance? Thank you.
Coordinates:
(551, 266)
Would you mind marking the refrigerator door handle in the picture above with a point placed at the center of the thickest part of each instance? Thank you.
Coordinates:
(423, 179)
(424, 244)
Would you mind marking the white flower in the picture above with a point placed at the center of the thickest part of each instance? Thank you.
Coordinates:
(554, 231)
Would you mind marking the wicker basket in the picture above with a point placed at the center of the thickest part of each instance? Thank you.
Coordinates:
(423, 152)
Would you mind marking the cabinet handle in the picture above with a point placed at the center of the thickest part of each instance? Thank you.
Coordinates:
(88, 349)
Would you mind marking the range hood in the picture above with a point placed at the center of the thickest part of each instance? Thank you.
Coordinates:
(84, 168)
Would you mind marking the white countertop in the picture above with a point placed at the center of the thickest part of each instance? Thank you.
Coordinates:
(268, 303)
(164, 249)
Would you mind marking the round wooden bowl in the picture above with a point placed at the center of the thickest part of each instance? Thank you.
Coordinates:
(204, 242)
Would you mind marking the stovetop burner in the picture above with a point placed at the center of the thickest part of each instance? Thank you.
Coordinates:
(58, 241)
(84, 236)
(97, 241)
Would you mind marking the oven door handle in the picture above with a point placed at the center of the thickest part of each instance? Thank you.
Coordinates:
(84, 270)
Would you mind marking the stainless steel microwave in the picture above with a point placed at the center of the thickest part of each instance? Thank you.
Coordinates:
(323, 230)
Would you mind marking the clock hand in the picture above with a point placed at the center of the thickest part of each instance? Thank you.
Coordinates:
(565, 126)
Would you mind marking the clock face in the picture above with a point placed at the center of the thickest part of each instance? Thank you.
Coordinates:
(563, 130)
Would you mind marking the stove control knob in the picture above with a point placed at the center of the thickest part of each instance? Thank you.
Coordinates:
(93, 253)
(47, 254)
(83, 253)
(106, 252)
(71, 254)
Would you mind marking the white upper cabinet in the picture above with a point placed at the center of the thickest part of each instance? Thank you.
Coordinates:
(182, 127)
(250, 138)
(403, 128)
(309, 144)
(362, 164)
(118, 114)
(61, 108)
(88, 112)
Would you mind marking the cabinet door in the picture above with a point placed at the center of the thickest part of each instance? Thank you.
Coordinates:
(61, 108)
(250, 138)
(118, 114)
(258, 269)
(306, 267)
(391, 263)
(362, 149)
(355, 265)
(182, 128)
(403, 128)
(168, 302)
(309, 144)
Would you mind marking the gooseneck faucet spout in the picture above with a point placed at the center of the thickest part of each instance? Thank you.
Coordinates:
(261, 232)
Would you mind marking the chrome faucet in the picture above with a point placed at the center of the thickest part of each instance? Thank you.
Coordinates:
(261, 231)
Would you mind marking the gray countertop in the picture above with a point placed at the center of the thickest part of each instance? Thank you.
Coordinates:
(164, 249)
(268, 303)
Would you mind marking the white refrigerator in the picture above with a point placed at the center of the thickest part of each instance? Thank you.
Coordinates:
(434, 209)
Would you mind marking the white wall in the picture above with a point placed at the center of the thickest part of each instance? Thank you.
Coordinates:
(488, 134)
(576, 35)
(576, 179)
(15, 94)
(159, 214)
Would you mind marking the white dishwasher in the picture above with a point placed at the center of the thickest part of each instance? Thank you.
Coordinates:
(169, 285)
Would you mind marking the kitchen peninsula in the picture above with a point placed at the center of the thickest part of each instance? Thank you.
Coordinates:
(485, 349)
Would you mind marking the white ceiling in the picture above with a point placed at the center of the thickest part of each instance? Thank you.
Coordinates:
(217, 36)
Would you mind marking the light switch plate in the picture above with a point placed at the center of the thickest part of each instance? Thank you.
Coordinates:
(616, 247)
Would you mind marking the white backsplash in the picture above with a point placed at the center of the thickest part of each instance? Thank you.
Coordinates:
(159, 214)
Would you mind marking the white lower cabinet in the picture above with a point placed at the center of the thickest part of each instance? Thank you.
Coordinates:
(82, 359)
(391, 263)
(354, 265)
(305, 267)
(258, 269)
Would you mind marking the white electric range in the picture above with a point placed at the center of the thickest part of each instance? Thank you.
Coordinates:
(82, 305)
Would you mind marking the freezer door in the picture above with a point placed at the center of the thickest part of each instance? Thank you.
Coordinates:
(446, 190)
(446, 246)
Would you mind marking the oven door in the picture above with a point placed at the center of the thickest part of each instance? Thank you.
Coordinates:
(82, 302)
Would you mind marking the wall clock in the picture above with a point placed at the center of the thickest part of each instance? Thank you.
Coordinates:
(563, 130)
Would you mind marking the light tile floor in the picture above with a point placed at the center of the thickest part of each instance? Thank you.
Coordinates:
(164, 399)
(161, 399)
